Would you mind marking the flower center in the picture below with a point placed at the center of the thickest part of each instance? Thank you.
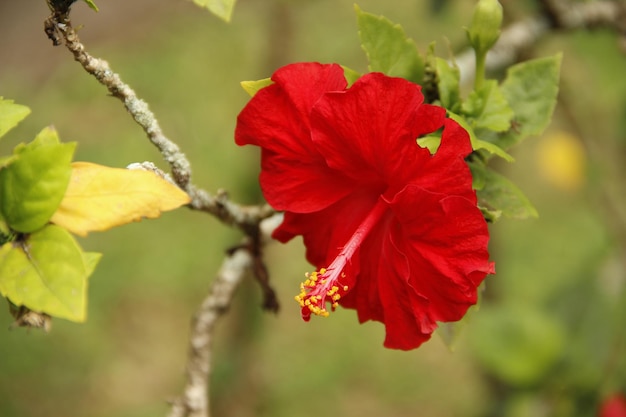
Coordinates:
(326, 284)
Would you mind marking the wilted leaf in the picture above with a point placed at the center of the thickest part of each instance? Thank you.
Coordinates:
(220, 8)
(25, 317)
(10, 115)
(99, 198)
(253, 87)
(47, 273)
(33, 183)
(387, 47)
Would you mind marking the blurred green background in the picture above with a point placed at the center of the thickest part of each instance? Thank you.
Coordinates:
(548, 340)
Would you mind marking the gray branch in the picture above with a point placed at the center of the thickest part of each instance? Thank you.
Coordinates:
(246, 218)
(194, 402)
(522, 35)
(257, 222)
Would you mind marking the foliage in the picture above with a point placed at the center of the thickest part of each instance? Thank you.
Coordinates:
(497, 116)
(220, 8)
(42, 267)
(543, 337)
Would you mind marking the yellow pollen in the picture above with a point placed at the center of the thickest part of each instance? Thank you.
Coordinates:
(315, 290)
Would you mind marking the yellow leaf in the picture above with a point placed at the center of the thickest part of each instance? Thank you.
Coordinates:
(99, 198)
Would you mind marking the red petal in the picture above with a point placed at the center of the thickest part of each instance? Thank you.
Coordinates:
(430, 118)
(421, 266)
(445, 240)
(369, 131)
(382, 292)
(327, 231)
(446, 172)
(278, 116)
(294, 175)
(304, 186)
(406, 325)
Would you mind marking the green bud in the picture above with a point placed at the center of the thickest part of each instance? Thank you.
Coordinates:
(485, 28)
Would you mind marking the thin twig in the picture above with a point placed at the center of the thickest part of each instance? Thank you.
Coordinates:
(194, 402)
(240, 261)
(59, 28)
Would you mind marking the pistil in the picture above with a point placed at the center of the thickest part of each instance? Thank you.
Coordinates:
(328, 284)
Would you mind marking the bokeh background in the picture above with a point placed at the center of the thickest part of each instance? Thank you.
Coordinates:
(549, 338)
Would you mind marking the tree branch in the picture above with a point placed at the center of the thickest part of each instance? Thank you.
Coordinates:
(522, 35)
(246, 258)
(194, 402)
(59, 29)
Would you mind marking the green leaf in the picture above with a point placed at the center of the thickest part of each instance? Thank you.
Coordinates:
(47, 273)
(448, 83)
(497, 193)
(47, 136)
(531, 90)
(478, 144)
(350, 74)
(6, 160)
(220, 8)
(488, 108)
(479, 180)
(518, 344)
(479, 174)
(33, 184)
(91, 4)
(90, 261)
(10, 115)
(387, 48)
(253, 87)
(5, 232)
(430, 142)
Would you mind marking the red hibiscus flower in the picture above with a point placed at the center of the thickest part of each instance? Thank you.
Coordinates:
(394, 231)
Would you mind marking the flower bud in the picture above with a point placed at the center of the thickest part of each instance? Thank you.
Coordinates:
(485, 28)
